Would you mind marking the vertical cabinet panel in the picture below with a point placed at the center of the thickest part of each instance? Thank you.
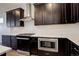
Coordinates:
(78, 12)
(68, 12)
(8, 17)
(63, 13)
(74, 11)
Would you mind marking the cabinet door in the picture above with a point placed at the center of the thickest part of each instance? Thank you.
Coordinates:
(52, 13)
(64, 46)
(77, 12)
(70, 12)
(6, 40)
(12, 19)
(46, 53)
(13, 42)
(17, 17)
(38, 15)
(8, 17)
(63, 15)
(34, 46)
(74, 12)
(19, 14)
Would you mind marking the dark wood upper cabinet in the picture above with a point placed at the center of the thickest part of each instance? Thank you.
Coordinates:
(13, 17)
(70, 12)
(38, 15)
(47, 14)
(56, 13)
(75, 12)
(51, 14)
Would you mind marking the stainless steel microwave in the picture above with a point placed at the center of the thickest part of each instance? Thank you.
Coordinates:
(47, 44)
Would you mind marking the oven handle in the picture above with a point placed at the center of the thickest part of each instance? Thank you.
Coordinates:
(22, 38)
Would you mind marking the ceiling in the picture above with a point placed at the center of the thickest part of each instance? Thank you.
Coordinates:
(8, 6)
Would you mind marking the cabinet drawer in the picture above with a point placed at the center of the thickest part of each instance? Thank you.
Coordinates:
(46, 53)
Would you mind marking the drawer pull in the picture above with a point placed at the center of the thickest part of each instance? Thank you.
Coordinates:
(47, 53)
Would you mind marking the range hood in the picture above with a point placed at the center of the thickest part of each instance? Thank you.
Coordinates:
(29, 15)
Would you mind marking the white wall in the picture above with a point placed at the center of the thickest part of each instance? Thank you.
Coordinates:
(6, 7)
(3, 28)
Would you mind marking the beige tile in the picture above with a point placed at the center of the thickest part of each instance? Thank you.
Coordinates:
(12, 53)
(15, 53)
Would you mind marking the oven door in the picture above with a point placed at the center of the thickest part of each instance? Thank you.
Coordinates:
(23, 43)
(46, 44)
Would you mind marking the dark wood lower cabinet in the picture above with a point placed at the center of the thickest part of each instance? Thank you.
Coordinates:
(47, 53)
(6, 40)
(3, 54)
(14, 42)
(69, 48)
(64, 49)
(34, 46)
(74, 49)
(65, 46)
(9, 41)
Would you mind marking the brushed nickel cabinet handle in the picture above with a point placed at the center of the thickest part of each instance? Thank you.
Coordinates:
(76, 49)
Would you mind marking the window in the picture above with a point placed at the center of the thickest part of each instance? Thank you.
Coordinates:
(1, 20)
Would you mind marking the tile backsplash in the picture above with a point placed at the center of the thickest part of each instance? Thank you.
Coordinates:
(46, 29)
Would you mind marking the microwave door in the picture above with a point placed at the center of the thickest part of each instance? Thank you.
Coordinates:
(48, 45)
